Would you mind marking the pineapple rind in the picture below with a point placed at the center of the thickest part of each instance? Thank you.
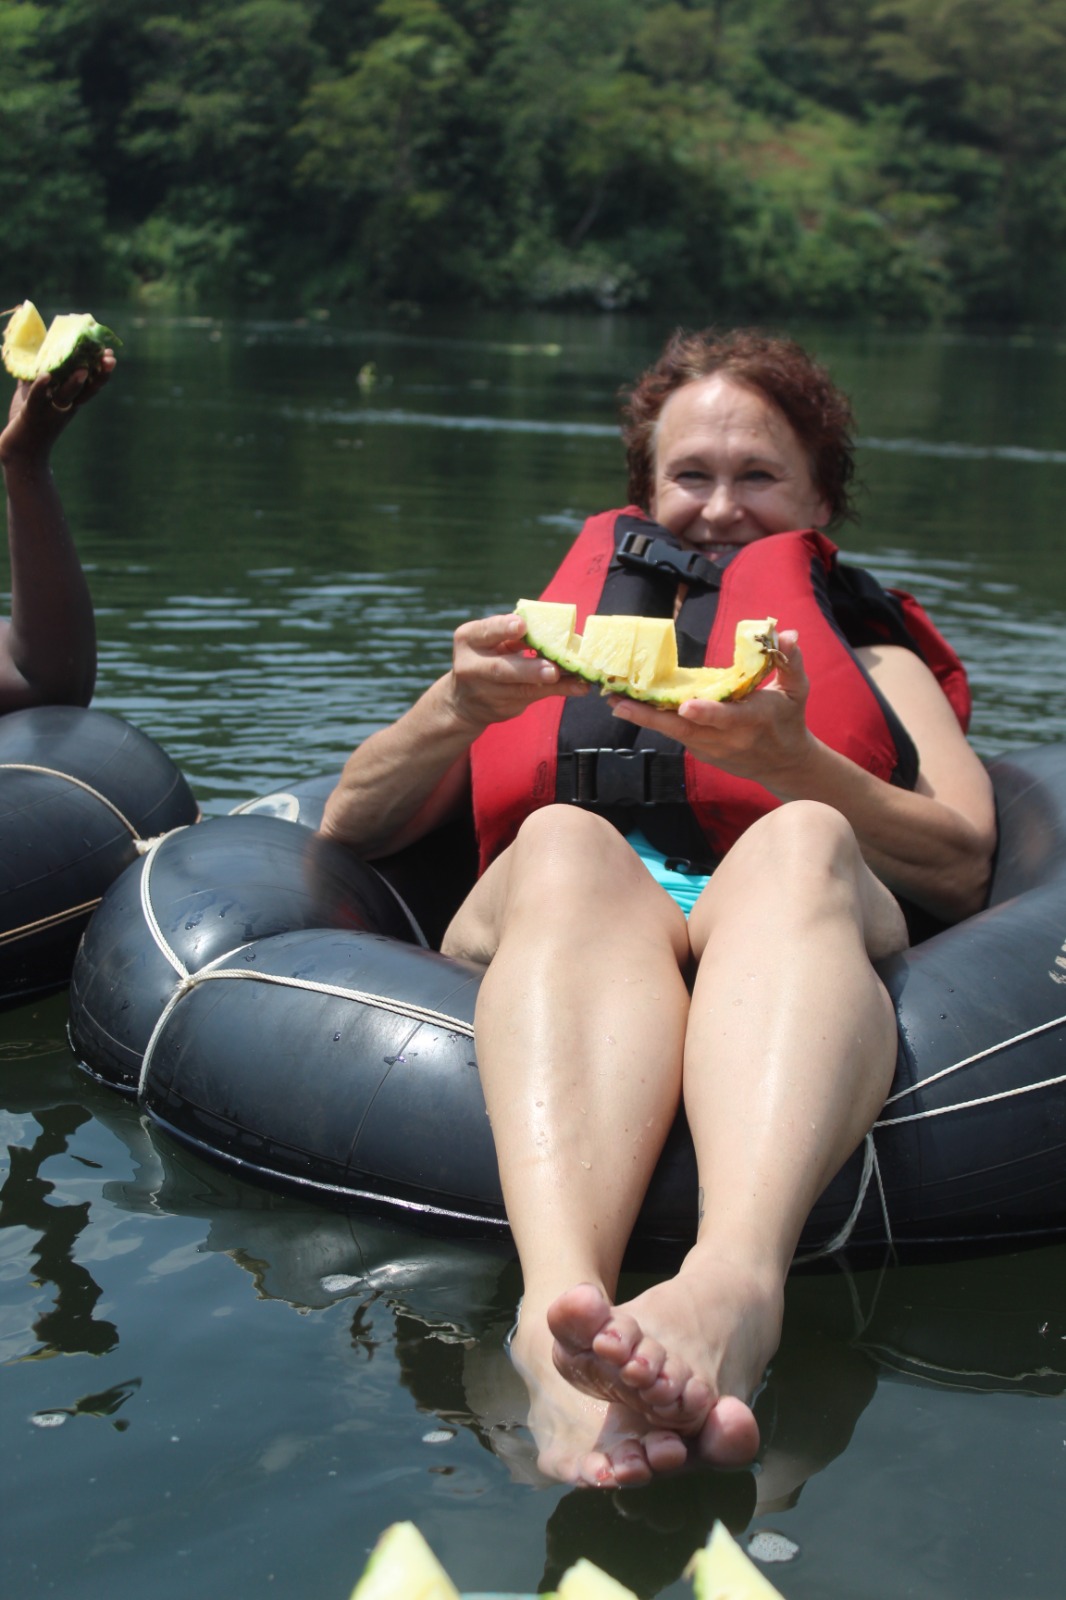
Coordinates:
(637, 656)
(72, 339)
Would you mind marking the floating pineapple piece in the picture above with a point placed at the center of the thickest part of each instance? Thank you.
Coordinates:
(403, 1567)
(584, 1581)
(637, 656)
(722, 1571)
(73, 340)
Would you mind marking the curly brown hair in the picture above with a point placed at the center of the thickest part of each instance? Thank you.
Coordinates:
(779, 368)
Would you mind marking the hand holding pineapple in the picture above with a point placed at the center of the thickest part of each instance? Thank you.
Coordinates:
(58, 370)
(48, 649)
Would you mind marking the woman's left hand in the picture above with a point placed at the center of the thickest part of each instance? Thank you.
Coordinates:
(763, 737)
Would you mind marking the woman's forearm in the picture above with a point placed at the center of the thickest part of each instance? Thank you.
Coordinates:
(404, 779)
(48, 655)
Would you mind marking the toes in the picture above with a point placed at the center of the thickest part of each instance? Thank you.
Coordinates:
(639, 1358)
(665, 1452)
(622, 1467)
(730, 1435)
(620, 1338)
(577, 1316)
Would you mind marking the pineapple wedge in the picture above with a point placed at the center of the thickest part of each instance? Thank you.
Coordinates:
(72, 340)
(637, 656)
(23, 338)
(722, 1571)
(552, 623)
(403, 1567)
(585, 1581)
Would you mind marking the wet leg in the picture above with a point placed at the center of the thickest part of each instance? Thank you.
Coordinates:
(790, 1049)
(580, 1030)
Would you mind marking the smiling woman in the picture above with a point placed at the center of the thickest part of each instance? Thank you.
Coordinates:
(729, 469)
(303, 1355)
(633, 1008)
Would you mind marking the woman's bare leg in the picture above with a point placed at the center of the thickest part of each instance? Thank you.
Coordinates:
(580, 1030)
(790, 1049)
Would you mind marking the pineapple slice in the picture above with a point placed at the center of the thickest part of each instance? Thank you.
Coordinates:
(403, 1567)
(756, 652)
(722, 1571)
(606, 653)
(637, 656)
(23, 338)
(584, 1581)
(550, 631)
(654, 652)
(72, 340)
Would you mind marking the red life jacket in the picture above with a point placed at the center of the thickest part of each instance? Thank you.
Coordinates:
(576, 750)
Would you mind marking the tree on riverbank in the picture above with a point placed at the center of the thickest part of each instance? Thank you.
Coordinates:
(889, 158)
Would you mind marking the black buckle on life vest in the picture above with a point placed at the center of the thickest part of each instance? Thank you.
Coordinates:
(603, 778)
(641, 551)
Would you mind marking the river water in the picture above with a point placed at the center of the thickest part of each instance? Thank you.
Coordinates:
(206, 1387)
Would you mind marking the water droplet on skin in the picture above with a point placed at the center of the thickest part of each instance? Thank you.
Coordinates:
(587, 1165)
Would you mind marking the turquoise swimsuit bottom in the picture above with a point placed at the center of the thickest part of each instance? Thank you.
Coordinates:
(683, 887)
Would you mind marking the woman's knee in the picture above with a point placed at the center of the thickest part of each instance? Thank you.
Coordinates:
(803, 861)
(564, 843)
(571, 866)
(797, 841)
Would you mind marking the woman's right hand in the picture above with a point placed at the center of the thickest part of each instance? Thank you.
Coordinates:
(494, 677)
(40, 411)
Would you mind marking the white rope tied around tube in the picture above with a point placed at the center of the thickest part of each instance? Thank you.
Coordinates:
(187, 981)
(423, 1014)
(78, 783)
(870, 1162)
(840, 1238)
(969, 1061)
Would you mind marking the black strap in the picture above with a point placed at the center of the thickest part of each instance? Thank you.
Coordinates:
(640, 551)
(603, 778)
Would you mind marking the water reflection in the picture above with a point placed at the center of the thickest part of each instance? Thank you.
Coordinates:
(442, 1307)
(278, 564)
(69, 1325)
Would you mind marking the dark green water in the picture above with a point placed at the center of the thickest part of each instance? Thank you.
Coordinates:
(207, 1389)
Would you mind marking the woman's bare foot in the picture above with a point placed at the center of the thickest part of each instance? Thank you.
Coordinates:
(622, 1393)
(580, 1438)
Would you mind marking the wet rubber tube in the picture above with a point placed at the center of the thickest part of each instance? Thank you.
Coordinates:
(79, 791)
(267, 998)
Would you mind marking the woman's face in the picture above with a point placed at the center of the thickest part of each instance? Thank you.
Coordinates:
(729, 469)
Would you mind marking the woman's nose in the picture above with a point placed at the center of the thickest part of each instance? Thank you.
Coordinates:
(721, 509)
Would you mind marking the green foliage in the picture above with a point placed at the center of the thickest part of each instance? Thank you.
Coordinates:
(50, 199)
(896, 159)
